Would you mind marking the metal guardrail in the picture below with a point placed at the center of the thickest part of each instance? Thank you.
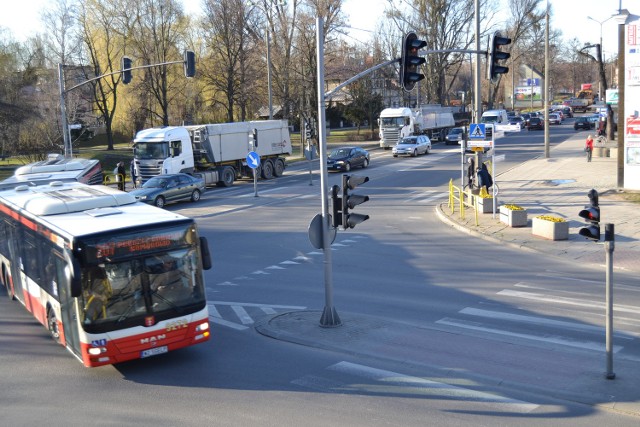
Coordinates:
(464, 199)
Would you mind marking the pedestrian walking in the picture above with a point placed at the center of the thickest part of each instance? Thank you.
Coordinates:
(589, 147)
(132, 172)
(122, 175)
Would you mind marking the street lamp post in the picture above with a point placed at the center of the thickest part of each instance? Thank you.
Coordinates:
(602, 53)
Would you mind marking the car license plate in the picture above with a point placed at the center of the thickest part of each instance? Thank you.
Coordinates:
(154, 351)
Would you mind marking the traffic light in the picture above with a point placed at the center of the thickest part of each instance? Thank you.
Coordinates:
(336, 207)
(350, 201)
(591, 214)
(495, 55)
(254, 133)
(189, 63)
(410, 61)
(126, 70)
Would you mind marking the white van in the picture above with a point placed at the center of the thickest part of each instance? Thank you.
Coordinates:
(497, 117)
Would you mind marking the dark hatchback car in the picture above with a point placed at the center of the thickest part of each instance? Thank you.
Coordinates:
(583, 123)
(346, 158)
(536, 123)
(163, 189)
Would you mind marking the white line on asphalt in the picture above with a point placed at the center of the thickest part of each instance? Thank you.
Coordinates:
(232, 325)
(428, 387)
(587, 345)
(537, 321)
(242, 314)
(568, 301)
(213, 311)
(250, 304)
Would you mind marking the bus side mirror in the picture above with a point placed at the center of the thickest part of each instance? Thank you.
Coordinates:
(205, 254)
(72, 274)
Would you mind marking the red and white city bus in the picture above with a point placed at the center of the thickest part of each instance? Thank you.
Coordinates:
(111, 278)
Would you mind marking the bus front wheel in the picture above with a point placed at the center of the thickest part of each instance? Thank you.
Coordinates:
(52, 324)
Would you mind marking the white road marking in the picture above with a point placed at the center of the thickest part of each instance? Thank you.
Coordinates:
(429, 387)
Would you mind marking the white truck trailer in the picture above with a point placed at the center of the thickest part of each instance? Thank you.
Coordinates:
(434, 121)
(215, 152)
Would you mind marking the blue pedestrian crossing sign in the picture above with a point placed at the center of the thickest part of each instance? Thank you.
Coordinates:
(253, 160)
(477, 131)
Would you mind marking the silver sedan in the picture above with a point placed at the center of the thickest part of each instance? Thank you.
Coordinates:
(412, 146)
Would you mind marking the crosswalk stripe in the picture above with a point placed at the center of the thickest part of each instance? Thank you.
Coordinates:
(429, 387)
(242, 314)
(564, 300)
(588, 345)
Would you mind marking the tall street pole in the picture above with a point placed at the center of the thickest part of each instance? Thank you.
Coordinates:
(63, 114)
(621, 19)
(330, 316)
(546, 85)
(478, 93)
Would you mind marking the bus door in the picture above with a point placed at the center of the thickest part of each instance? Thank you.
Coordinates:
(14, 255)
(67, 306)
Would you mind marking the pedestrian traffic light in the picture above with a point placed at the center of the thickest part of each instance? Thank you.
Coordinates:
(410, 61)
(350, 201)
(495, 55)
(336, 207)
(126, 70)
(591, 214)
(189, 63)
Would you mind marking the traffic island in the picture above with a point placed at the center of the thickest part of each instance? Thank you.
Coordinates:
(550, 227)
(513, 215)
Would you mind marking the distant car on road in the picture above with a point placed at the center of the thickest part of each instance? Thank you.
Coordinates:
(536, 123)
(163, 189)
(554, 119)
(454, 136)
(583, 123)
(345, 158)
(412, 146)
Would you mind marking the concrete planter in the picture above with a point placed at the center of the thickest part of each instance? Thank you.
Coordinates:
(550, 229)
(485, 205)
(513, 218)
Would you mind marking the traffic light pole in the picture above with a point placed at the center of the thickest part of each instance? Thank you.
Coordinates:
(330, 318)
(609, 246)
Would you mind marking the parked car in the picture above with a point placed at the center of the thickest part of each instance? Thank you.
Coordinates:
(345, 158)
(536, 123)
(525, 118)
(163, 189)
(412, 146)
(554, 119)
(454, 136)
(583, 123)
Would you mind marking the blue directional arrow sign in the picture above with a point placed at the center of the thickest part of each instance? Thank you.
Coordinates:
(477, 131)
(253, 159)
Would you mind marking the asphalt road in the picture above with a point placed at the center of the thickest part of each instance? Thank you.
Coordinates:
(489, 312)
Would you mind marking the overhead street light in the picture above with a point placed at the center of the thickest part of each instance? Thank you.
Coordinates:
(600, 22)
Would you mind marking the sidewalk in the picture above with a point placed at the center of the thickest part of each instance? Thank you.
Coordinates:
(556, 186)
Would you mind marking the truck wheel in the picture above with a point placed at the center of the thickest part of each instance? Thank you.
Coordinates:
(228, 176)
(195, 196)
(278, 168)
(159, 202)
(267, 169)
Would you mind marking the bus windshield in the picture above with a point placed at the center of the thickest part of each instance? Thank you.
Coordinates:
(152, 150)
(117, 295)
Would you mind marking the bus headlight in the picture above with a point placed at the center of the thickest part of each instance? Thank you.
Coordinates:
(202, 327)
(95, 351)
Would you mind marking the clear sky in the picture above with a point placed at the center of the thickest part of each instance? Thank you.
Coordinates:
(22, 17)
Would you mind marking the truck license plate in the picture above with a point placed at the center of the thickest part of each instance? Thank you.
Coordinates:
(154, 351)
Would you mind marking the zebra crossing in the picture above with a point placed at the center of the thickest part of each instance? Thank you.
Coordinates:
(548, 318)
(348, 377)
(242, 315)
